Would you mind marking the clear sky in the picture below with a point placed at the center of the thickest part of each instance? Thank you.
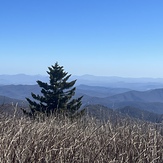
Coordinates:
(98, 37)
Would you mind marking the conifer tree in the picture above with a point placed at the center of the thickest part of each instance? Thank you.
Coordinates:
(56, 96)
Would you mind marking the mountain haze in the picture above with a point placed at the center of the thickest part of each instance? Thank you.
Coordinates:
(21, 79)
(155, 95)
(140, 84)
(112, 92)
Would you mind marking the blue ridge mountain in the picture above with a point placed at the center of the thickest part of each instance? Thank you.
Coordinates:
(104, 113)
(140, 84)
(114, 97)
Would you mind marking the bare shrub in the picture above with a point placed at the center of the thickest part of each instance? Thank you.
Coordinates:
(85, 140)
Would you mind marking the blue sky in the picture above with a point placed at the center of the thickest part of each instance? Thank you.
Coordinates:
(98, 37)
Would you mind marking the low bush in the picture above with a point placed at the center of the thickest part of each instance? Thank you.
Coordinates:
(85, 140)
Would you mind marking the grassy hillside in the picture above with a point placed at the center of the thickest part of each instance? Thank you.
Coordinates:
(85, 140)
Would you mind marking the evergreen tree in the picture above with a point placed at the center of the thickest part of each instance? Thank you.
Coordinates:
(56, 97)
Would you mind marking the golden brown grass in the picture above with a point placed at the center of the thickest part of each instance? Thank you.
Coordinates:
(85, 140)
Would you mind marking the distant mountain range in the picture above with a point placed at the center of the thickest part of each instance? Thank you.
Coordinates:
(104, 81)
(140, 84)
(7, 100)
(19, 91)
(104, 113)
(112, 92)
(146, 100)
(21, 79)
(114, 98)
(99, 91)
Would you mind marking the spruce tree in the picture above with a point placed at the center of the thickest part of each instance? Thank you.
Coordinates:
(56, 96)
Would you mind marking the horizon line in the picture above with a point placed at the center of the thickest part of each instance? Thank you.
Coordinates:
(91, 75)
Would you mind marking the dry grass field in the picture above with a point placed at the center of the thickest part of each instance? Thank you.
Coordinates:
(82, 141)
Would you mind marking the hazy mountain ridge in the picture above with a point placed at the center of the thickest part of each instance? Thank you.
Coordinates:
(141, 114)
(99, 91)
(6, 100)
(141, 96)
(105, 113)
(105, 81)
(146, 100)
(19, 91)
(114, 97)
(156, 107)
(21, 79)
(140, 84)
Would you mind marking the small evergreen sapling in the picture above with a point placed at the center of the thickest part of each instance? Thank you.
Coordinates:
(56, 97)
